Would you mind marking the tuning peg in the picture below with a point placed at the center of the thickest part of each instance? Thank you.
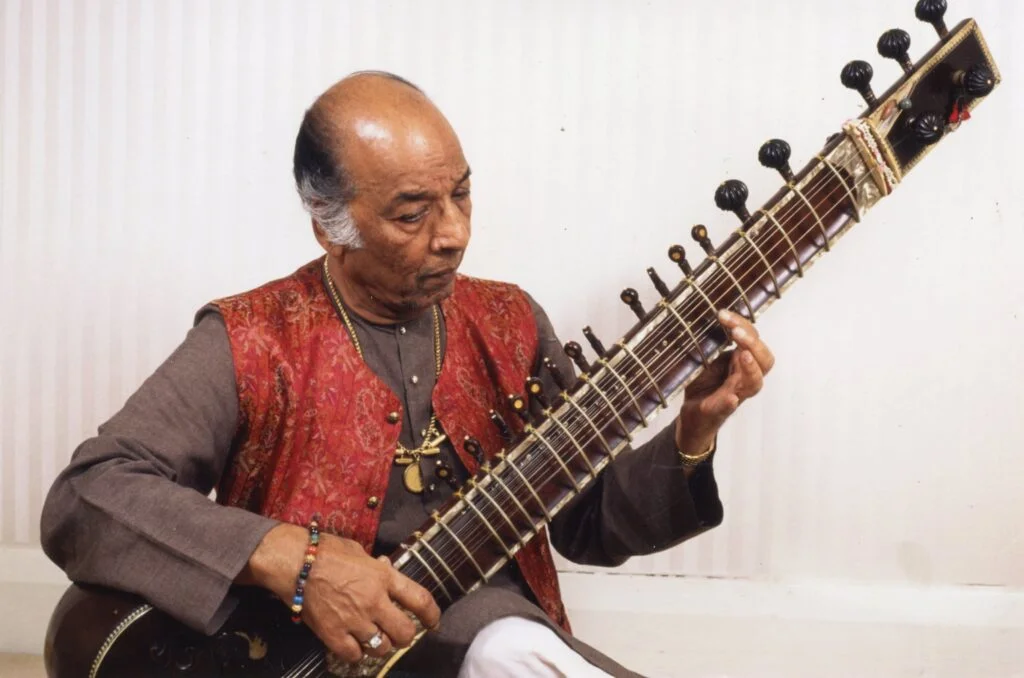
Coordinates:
(575, 352)
(535, 389)
(556, 374)
(677, 254)
(933, 11)
(594, 342)
(927, 128)
(895, 44)
(631, 298)
(444, 472)
(977, 81)
(474, 449)
(519, 406)
(659, 284)
(731, 196)
(700, 234)
(857, 75)
(503, 430)
(774, 154)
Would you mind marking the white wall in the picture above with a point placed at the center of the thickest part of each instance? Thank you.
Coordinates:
(145, 169)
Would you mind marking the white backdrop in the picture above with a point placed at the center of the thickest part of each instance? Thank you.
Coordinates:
(145, 169)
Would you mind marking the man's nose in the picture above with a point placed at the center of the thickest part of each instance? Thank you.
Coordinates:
(452, 231)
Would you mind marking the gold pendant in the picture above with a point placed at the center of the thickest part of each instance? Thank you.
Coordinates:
(413, 477)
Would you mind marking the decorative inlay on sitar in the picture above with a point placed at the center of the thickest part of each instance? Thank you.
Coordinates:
(558, 455)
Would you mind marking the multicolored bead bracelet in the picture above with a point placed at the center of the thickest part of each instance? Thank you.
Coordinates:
(307, 565)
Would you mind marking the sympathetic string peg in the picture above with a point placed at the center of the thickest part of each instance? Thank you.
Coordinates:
(535, 389)
(474, 449)
(631, 298)
(895, 45)
(659, 284)
(857, 75)
(594, 342)
(556, 374)
(575, 352)
(933, 11)
(927, 128)
(445, 472)
(677, 254)
(519, 406)
(503, 429)
(774, 154)
(700, 234)
(977, 81)
(731, 196)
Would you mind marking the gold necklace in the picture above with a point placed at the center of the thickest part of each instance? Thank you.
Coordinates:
(432, 438)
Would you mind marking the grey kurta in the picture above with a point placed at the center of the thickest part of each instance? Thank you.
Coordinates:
(132, 512)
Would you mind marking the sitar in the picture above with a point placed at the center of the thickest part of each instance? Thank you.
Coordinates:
(554, 456)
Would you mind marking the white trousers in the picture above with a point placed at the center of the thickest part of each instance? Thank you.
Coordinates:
(514, 647)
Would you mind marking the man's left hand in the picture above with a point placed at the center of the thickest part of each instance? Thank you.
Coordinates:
(722, 386)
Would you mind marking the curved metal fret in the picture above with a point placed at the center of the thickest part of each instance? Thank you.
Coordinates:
(739, 288)
(414, 553)
(536, 434)
(426, 545)
(501, 512)
(515, 500)
(711, 304)
(615, 411)
(497, 537)
(764, 259)
(817, 218)
(576, 443)
(543, 506)
(849, 191)
(629, 391)
(689, 330)
(469, 554)
(792, 247)
(600, 436)
(647, 373)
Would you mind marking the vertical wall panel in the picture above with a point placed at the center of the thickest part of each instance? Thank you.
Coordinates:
(145, 156)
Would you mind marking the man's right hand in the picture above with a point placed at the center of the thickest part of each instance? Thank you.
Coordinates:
(349, 595)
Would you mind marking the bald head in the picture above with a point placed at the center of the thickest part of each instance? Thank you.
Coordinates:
(363, 127)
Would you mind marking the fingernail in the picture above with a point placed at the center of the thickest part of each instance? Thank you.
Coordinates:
(727, 316)
(739, 333)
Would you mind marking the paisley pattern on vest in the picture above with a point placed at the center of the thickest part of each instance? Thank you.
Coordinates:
(314, 433)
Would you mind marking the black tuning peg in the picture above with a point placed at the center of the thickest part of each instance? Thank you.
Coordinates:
(857, 75)
(977, 81)
(677, 254)
(594, 342)
(927, 128)
(933, 11)
(519, 406)
(444, 471)
(535, 390)
(556, 374)
(503, 430)
(474, 449)
(631, 298)
(575, 352)
(895, 45)
(659, 284)
(774, 154)
(731, 196)
(700, 234)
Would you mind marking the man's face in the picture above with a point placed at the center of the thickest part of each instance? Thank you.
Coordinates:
(412, 207)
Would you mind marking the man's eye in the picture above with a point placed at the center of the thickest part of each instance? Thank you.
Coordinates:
(412, 218)
(459, 195)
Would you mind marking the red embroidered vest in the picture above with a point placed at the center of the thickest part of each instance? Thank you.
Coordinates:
(317, 431)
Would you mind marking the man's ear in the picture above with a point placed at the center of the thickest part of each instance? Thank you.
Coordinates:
(321, 237)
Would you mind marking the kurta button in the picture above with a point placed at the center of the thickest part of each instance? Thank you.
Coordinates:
(392, 417)
(372, 502)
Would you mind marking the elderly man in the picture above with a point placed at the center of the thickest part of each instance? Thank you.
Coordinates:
(327, 393)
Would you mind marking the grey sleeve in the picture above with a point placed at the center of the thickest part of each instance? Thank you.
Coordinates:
(132, 509)
(642, 503)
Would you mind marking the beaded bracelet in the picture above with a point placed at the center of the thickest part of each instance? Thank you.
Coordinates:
(307, 565)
